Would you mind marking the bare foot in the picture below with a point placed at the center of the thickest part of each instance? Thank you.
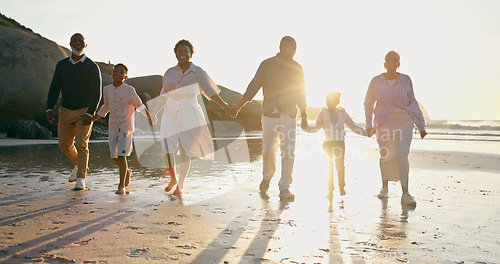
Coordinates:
(342, 191)
(173, 181)
(171, 185)
(178, 192)
(121, 190)
(168, 172)
(127, 177)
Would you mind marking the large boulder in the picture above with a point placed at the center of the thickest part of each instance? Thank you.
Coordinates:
(249, 117)
(151, 84)
(28, 129)
(27, 63)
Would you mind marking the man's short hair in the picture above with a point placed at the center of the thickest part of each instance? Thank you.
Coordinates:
(122, 65)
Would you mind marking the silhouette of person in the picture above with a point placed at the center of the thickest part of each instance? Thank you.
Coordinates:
(282, 82)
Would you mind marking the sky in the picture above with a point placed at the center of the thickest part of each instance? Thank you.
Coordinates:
(449, 48)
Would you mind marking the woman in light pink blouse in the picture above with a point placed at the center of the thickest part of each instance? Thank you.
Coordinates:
(184, 129)
(391, 110)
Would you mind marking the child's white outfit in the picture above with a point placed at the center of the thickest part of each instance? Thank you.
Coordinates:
(334, 145)
(120, 102)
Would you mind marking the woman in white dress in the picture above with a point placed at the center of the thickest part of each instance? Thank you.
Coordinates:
(183, 126)
(393, 116)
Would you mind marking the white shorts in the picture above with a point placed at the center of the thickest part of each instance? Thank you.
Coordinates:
(120, 145)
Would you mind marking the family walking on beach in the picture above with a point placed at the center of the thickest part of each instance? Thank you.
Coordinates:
(391, 111)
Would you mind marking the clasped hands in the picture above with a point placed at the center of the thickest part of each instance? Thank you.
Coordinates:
(232, 111)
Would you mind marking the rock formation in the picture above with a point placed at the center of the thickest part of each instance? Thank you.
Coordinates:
(27, 63)
(28, 129)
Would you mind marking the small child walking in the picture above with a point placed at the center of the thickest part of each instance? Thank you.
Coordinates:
(120, 100)
(332, 119)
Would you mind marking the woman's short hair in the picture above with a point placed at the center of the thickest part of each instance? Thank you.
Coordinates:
(392, 53)
(184, 42)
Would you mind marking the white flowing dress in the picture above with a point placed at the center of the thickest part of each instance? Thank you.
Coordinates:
(183, 121)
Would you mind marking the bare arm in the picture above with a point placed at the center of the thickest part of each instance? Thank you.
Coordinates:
(353, 127)
(160, 103)
(317, 126)
(251, 91)
(369, 104)
(216, 98)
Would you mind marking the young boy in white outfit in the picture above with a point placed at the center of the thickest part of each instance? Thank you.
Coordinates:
(120, 100)
(332, 120)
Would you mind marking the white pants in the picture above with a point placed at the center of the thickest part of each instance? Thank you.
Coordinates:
(282, 128)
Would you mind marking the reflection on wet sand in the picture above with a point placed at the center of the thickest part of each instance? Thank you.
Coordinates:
(222, 217)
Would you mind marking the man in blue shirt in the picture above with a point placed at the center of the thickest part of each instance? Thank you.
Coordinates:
(78, 80)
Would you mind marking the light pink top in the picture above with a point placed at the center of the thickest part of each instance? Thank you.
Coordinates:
(174, 79)
(120, 102)
(387, 97)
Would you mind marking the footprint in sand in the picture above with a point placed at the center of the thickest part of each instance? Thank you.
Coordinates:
(187, 246)
(49, 258)
(138, 252)
(84, 242)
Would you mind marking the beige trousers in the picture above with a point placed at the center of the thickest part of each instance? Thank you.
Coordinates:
(73, 138)
(394, 140)
(280, 131)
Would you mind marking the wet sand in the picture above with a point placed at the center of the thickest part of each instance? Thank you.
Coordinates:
(222, 218)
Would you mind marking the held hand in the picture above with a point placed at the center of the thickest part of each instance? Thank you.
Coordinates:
(304, 124)
(423, 134)
(86, 120)
(227, 110)
(153, 120)
(50, 116)
(148, 115)
(370, 131)
(233, 111)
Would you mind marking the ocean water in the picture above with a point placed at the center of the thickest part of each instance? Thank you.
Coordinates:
(472, 130)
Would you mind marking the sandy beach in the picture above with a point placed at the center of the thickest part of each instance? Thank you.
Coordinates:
(222, 218)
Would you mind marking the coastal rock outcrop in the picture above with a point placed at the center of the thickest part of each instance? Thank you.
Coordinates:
(28, 129)
(27, 63)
